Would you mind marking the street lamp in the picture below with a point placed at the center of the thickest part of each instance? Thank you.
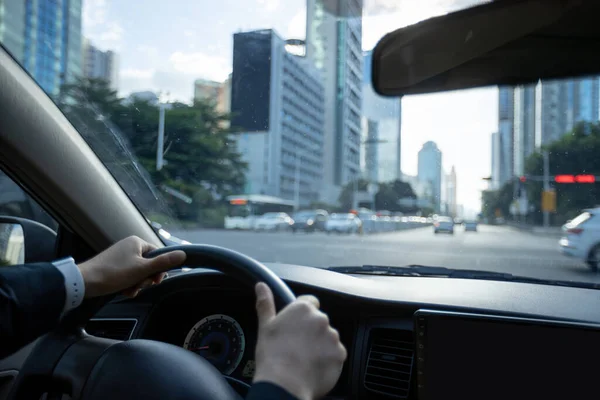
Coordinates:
(160, 143)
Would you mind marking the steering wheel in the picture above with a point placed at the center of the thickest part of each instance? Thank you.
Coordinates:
(68, 360)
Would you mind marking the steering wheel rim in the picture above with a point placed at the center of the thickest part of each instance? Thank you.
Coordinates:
(57, 357)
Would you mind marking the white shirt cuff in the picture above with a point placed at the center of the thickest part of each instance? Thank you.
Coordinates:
(74, 285)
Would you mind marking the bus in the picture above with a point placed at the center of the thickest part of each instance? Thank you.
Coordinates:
(245, 208)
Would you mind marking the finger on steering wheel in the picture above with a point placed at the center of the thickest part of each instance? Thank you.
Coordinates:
(310, 299)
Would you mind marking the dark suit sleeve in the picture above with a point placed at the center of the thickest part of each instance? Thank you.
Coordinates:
(32, 298)
(268, 391)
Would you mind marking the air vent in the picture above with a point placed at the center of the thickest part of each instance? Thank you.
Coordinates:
(389, 362)
(117, 328)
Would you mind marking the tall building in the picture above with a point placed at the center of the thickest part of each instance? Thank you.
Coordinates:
(429, 171)
(387, 112)
(450, 193)
(333, 45)
(369, 154)
(217, 92)
(100, 64)
(496, 161)
(45, 37)
(524, 127)
(277, 103)
(506, 103)
(565, 103)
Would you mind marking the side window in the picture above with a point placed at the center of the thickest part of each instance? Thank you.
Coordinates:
(15, 202)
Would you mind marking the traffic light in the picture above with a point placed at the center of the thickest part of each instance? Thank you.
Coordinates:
(585, 178)
(523, 178)
(575, 179)
(564, 179)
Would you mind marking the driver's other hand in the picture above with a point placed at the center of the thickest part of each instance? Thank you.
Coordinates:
(123, 268)
(297, 349)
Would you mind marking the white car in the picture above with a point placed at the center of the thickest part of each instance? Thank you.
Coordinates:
(343, 223)
(581, 238)
(443, 224)
(274, 221)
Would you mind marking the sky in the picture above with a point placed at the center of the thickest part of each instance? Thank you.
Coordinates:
(165, 45)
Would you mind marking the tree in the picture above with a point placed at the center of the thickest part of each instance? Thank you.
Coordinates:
(347, 194)
(201, 160)
(386, 197)
(574, 153)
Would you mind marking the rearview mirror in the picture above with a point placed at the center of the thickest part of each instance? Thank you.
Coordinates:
(494, 44)
(25, 241)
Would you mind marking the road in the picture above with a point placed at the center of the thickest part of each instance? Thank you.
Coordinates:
(492, 248)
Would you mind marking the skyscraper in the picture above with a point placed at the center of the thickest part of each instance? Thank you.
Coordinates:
(45, 37)
(333, 45)
(369, 162)
(277, 103)
(100, 64)
(496, 160)
(505, 133)
(430, 171)
(387, 113)
(524, 127)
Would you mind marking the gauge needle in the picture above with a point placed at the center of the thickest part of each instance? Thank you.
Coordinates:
(200, 348)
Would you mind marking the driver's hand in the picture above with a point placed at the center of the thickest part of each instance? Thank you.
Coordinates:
(297, 349)
(122, 268)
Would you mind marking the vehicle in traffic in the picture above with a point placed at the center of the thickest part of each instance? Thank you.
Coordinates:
(443, 224)
(581, 238)
(273, 222)
(470, 226)
(309, 220)
(243, 211)
(343, 223)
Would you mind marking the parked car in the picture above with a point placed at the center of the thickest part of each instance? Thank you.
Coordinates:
(443, 224)
(310, 220)
(273, 221)
(343, 223)
(470, 226)
(581, 238)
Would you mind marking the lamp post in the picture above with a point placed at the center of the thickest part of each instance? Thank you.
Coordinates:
(161, 137)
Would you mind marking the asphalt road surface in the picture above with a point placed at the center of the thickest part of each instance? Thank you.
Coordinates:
(492, 248)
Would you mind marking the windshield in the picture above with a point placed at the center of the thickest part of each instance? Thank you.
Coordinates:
(212, 113)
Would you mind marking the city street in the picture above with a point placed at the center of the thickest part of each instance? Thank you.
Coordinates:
(493, 248)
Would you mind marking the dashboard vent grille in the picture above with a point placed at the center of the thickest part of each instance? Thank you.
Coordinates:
(389, 362)
(117, 328)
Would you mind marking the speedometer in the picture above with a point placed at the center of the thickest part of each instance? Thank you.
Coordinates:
(220, 340)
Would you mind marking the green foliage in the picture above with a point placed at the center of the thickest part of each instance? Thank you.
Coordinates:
(386, 197)
(574, 153)
(201, 160)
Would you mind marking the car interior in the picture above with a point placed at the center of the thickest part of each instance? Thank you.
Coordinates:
(408, 337)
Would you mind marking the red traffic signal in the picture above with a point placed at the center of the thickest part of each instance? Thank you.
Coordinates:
(574, 179)
(564, 179)
(522, 178)
(585, 178)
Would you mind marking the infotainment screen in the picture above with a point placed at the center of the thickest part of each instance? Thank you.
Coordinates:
(468, 356)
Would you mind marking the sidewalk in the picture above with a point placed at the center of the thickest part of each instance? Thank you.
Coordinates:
(554, 231)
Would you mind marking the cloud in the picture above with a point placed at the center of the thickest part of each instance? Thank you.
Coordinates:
(94, 13)
(176, 77)
(137, 73)
(112, 35)
(297, 26)
(269, 5)
(200, 65)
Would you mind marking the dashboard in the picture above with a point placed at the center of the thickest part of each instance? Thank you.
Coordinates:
(407, 337)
